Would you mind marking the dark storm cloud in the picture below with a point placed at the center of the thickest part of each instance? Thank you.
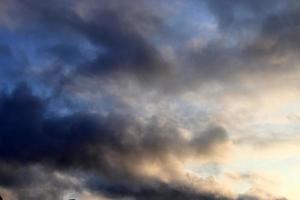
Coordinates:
(108, 145)
(117, 31)
(125, 49)
(120, 33)
(124, 39)
(34, 182)
(28, 134)
(160, 191)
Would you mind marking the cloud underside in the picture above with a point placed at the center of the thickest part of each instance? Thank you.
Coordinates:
(115, 148)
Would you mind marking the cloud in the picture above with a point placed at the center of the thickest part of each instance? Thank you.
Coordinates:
(252, 38)
(24, 115)
(34, 182)
(107, 145)
(162, 191)
(131, 91)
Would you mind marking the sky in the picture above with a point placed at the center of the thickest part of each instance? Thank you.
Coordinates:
(149, 100)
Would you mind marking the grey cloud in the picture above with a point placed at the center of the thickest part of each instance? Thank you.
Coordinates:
(112, 146)
(125, 39)
(162, 191)
(60, 138)
(252, 197)
(33, 182)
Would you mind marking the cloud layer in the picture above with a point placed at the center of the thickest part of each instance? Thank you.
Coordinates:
(123, 99)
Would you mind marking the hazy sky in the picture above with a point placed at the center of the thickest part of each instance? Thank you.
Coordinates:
(150, 99)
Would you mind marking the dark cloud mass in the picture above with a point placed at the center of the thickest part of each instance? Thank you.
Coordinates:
(108, 145)
(68, 113)
(29, 134)
(125, 38)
